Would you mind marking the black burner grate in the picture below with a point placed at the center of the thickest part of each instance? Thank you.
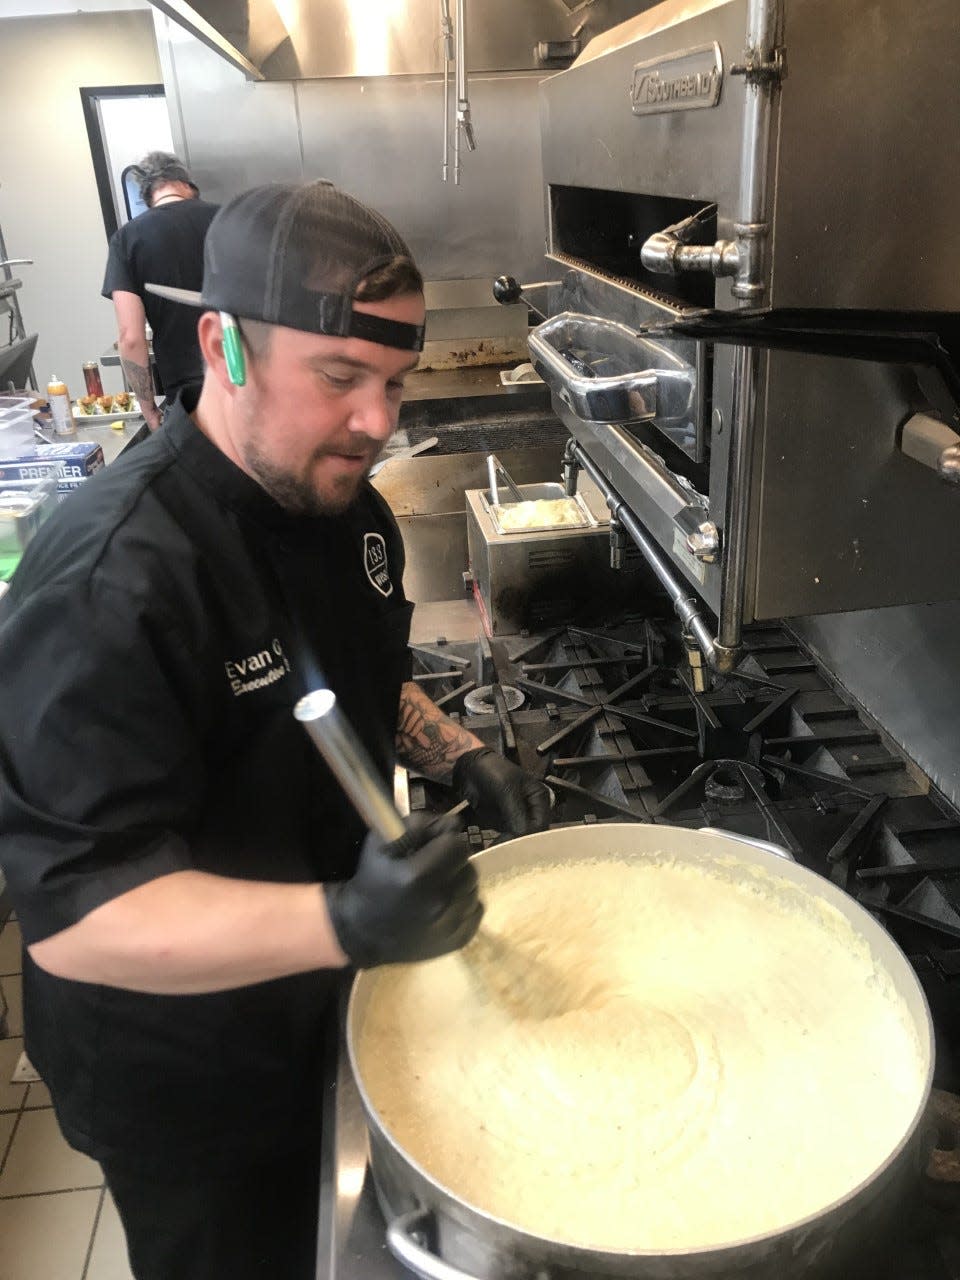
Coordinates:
(614, 720)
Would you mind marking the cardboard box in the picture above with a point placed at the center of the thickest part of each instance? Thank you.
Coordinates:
(69, 484)
(73, 461)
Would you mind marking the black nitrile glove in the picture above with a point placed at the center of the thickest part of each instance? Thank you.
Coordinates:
(500, 793)
(411, 900)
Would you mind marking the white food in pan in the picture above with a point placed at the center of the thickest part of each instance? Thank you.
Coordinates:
(548, 512)
(744, 1065)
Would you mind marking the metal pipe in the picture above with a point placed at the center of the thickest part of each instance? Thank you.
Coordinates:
(665, 253)
(762, 22)
(446, 35)
(736, 517)
(446, 31)
(335, 739)
(464, 123)
(459, 74)
(446, 122)
(492, 477)
(748, 288)
(682, 602)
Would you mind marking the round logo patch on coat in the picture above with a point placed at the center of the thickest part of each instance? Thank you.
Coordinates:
(375, 563)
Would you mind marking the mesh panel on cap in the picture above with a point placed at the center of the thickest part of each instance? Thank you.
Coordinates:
(293, 255)
(339, 240)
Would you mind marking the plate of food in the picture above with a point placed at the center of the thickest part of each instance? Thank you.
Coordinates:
(105, 409)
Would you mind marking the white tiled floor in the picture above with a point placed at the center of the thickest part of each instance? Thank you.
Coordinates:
(57, 1221)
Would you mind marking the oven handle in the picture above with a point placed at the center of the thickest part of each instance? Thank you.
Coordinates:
(648, 392)
(402, 1242)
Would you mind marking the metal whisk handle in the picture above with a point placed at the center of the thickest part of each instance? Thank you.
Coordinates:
(335, 739)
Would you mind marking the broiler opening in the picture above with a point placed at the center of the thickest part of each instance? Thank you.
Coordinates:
(608, 228)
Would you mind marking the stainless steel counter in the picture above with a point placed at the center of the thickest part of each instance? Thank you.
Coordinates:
(113, 440)
(471, 382)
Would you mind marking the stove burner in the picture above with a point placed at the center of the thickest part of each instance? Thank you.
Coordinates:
(611, 719)
(725, 783)
(483, 701)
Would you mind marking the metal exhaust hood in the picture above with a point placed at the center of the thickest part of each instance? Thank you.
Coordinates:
(308, 39)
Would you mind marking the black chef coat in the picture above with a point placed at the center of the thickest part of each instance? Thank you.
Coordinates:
(154, 640)
(164, 246)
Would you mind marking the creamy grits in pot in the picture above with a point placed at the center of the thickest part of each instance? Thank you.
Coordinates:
(735, 1060)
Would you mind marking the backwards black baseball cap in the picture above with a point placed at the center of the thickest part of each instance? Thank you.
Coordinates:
(294, 254)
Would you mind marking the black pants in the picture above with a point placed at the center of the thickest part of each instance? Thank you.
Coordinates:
(258, 1224)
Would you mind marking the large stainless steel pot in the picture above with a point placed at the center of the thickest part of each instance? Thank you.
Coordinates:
(427, 1219)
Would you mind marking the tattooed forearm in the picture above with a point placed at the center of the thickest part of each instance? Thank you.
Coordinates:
(141, 384)
(428, 740)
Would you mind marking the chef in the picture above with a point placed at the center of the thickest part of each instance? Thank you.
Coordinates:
(187, 875)
(163, 244)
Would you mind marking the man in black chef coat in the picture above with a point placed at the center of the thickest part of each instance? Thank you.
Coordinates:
(186, 873)
(164, 244)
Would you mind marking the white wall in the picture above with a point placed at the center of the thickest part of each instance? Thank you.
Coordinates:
(49, 206)
(34, 8)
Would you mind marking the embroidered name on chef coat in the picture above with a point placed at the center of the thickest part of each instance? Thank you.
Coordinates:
(375, 563)
(257, 670)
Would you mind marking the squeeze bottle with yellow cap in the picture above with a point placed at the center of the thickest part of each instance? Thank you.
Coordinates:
(60, 408)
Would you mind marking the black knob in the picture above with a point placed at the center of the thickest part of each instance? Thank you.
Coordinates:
(506, 289)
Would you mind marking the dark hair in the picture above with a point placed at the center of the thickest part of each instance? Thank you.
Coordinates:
(398, 276)
(156, 169)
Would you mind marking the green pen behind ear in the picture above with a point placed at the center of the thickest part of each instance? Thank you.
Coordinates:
(233, 349)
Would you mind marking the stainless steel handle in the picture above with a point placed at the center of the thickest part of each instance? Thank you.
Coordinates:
(423, 1263)
(686, 507)
(632, 398)
(928, 440)
(492, 479)
(649, 387)
(335, 739)
(496, 468)
(766, 845)
(654, 476)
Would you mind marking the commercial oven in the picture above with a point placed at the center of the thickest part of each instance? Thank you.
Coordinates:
(750, 324)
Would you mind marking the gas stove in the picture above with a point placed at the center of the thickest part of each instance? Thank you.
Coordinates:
(623, 727)
(624, 724)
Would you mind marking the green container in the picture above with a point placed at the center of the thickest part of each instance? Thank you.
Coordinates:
(24, 505)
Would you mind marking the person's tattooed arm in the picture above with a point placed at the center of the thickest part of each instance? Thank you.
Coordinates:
(428, 740)
(134, 352)
(140, 380)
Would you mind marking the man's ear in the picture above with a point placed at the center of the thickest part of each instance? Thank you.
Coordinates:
(210, 337)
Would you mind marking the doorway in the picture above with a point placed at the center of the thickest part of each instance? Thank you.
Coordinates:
(124, 122)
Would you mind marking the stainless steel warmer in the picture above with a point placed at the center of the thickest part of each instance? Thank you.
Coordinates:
(762, 160)
(527, 579)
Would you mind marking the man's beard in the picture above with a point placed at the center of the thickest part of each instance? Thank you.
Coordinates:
(297, 494)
